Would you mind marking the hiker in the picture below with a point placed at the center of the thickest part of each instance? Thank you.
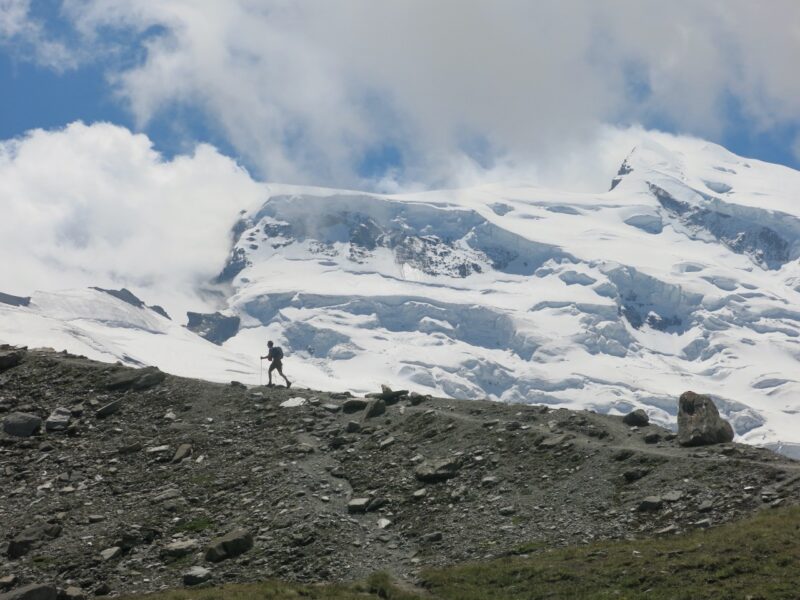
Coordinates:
(275, 356)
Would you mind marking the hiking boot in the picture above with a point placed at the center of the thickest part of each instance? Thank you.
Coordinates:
(288, 384)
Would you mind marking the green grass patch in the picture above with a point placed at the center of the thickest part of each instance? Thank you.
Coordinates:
(756, 558)
(195, 525)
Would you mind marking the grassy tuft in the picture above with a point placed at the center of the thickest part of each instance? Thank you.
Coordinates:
(756, 558)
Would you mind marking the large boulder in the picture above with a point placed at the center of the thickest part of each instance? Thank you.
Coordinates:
(636, 418)
(434, 471)
(30, 537)
(699, 423)
(11, 357)
(229, 546)
(135, 379)
(22, 424)
(34, 591)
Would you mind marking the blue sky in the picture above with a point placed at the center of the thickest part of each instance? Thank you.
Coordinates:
(285, 92)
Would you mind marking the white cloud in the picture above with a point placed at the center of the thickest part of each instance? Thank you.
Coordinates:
(305, 89)
(25, 37)
(96, 205)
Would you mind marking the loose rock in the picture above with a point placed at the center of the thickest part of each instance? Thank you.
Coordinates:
(699, 423)
(229, 545)
(636, 418)
(22, 424)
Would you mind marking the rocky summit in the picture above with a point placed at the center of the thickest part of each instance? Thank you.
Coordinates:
(117, 480)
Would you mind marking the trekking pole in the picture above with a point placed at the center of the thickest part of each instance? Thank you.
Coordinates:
(261, 373)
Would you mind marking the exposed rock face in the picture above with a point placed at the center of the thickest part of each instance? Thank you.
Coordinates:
(12, 300)
(699, 423)
(215, 327)
(21, 424)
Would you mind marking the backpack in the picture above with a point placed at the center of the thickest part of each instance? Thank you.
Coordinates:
(277, 353)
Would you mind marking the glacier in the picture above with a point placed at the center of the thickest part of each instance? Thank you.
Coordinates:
(682, 276)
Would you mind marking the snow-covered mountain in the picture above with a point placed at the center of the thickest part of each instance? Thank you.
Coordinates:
(684, 275)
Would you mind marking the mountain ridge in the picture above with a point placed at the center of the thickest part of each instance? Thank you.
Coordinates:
(682, 276)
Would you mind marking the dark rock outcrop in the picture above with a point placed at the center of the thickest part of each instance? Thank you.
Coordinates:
(22, 424)
(34, 591)
(214, 327)
(14, 300)
(636, 418)
(10, 357)
(699, 423)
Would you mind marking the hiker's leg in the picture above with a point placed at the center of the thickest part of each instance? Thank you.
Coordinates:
(280, 370)
(272, 367)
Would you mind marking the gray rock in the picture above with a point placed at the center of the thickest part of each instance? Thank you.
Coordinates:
(183, 451)
(8, 582)
(435, 536)
(168, 494)
(109, 409)
(111, 553)
(650, 504)
(179, 548)
(433, 471)
(196, 576)
(374, 408)
(705, 507)
(354, 405)
(58, 420)
(34, 591)
(672, 496)
(11, 358)
(416, 398)
(135, 379)
(358, 505)
(652, 438)
(352, 427)
(507, 511)
(22, 424)
(74, 593)
(30, 536)
(634, 474)
(699, 423)
(636, 418)
(332, 408)
(229, 545)
(390, 396)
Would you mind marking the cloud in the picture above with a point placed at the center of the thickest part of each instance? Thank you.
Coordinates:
(25, 37)
(309, 91)
(315, 92)
(96, 205)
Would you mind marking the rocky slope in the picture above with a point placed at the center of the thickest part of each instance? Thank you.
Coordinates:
(130, 485)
